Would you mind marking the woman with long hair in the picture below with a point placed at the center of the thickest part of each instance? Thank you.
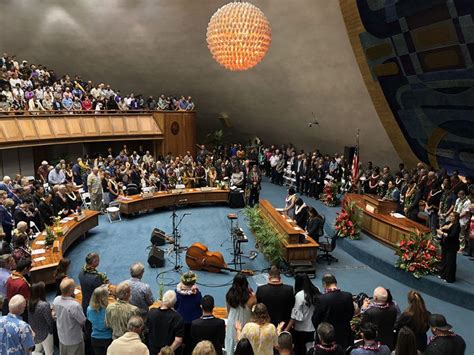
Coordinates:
(101, 336)
(406, 343)
(290, 200)
(41, 320)
(61, 272)
(449, 235)
(415, 317)
(244, 347)
(262, 334)
(306, 300)
(240, 298)
(204, 347)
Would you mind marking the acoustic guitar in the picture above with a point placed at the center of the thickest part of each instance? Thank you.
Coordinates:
(198, 257)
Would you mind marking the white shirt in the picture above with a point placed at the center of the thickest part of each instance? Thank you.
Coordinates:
(302, 314)
(463, 206)
(274, 160)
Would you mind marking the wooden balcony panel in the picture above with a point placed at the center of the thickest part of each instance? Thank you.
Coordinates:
(43, 128)
(27, 129)
(11, 130)
(104, 125)
(89, 127)
(118, 124)
(59, 127)
(75, 127)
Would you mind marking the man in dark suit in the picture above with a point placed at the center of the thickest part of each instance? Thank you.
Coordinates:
(278, 298)
(208, 327)
(383, 315)
(46, 211)
(336, 307)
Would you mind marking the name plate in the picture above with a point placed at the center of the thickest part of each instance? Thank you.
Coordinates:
(370, 208)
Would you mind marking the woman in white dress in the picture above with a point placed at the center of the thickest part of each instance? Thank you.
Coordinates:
(240, 298)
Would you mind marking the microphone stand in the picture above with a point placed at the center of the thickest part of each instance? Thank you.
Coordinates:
(176, 238)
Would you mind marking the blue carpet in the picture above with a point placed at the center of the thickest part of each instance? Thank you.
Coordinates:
(121, 244)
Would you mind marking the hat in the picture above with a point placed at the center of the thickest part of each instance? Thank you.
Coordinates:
(439, 322)
(44, 162)
(188, 278)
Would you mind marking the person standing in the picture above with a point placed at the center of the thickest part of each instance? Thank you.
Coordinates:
(239, 299)
(336, 308)
(306, 303)
(165, 326)
(208, 327)
(383, 314)
(370, 346)
(41, 320)
(415, 317)
(141, 295)
(118, 314)
(449, 234)
(326, 344)
(278, 298)
(444, 341)
(70, 319)
(101, 336)
(16, 336)
(130, 343)
(94, 186)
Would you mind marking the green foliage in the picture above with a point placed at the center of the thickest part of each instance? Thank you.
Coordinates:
(265, 235)
(216, 138)
(50, 237)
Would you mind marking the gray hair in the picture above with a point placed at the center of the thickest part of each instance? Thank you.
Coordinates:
(122, 291)
(17, 304)
(135, 323)
(137, 270)
(169, 299)
(381, 294)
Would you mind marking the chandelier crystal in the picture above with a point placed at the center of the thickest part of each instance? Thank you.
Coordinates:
(238, 36)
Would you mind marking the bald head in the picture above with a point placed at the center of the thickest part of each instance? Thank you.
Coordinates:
(123, 291)
(380, 295)
(137, 270)
(17, 305)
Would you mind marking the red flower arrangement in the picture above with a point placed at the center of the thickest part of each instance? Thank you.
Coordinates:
(346, 224)
(329, 195)
(418, 254)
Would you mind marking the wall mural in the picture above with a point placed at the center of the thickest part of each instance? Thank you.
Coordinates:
(421, 54)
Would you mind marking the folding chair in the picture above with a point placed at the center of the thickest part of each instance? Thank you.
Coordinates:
(113, 212)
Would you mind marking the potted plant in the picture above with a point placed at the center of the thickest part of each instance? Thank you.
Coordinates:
(50, 237)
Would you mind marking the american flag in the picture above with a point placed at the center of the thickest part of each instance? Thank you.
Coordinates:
(355, 166)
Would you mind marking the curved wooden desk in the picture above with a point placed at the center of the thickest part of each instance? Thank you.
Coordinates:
(384, 227)
(136, 203)
(44, 270)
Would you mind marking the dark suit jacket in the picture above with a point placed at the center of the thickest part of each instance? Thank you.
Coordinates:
(385, 319)
(209, 328)
(302, 217)
(337, 309)
(279, 300)
(46, 213)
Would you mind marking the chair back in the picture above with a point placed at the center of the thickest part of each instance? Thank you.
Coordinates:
(132, 189)
(321, 227)
(333, 242)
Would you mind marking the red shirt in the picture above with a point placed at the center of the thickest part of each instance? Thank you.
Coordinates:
(16, 284)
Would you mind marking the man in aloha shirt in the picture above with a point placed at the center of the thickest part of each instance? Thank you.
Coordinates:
(16, 336)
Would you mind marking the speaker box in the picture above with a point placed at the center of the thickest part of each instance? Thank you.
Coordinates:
(349, 154)
(158, 237)
(156, 257)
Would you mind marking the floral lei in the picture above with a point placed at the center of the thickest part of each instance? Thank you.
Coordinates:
(326, 347)
(91, 270)
(334, 289)
(374, 347)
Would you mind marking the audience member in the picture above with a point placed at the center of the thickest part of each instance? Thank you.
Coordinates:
(444, 341)
(70, 319)
(118, 313)
(61, 272)
(336, 308)
(208, 327)
(141, 295)
(41, 320)
(90, 278)
(240, 299)
(101, 335)
(306, 302)
(369, 346)
(406, 343)
(16, 336)
(415, 317)
(165, 325)
(243, 347)
(204, 348)
(278, 298)
(449, 234)
(383, 315)
(285, 343)
(325, 343)
(130, 343)
(17, 283)
(262, 334)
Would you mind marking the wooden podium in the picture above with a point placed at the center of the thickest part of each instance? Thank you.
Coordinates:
(374, 204)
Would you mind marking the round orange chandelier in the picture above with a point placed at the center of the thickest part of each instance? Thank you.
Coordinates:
(238, 36)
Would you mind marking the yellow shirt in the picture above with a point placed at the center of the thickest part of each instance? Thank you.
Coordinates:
(262, 337)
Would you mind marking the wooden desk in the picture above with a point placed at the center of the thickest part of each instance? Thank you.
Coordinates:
(384, 227)
(44, 270)
(289, 234)
(136, 203)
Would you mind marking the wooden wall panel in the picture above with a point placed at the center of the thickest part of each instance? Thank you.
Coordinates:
(89, 126)
(59, 127)
(43, 128)
(27, 127)
(118, 124)
(11, 130)
(132, 124)
(179, 129)
(74, 127)
(104, 125)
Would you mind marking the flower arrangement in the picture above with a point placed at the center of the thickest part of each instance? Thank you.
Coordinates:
(329, 195)
(58, 230)
(347, 223)
(50, 237)
(418, 253)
